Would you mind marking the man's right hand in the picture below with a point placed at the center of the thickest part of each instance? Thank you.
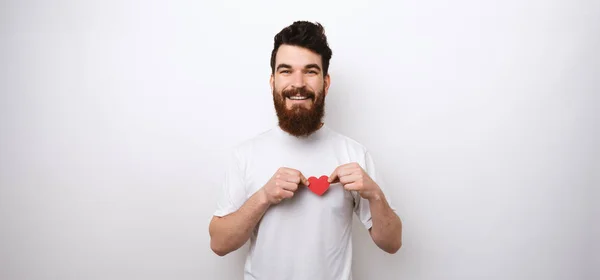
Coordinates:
(283, 184)
(230, 232)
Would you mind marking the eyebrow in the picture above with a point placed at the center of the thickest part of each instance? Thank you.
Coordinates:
(312, 66)
(283, 65)
(308, 66)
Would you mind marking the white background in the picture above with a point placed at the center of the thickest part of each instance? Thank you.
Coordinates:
(116, 118)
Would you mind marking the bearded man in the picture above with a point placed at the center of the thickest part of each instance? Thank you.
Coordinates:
(292, 191)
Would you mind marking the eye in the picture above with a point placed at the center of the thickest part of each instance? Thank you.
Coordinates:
(285, 71)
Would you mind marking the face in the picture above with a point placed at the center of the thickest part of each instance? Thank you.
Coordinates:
(299, 89)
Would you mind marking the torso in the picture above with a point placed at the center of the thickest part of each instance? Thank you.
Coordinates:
(307, 236)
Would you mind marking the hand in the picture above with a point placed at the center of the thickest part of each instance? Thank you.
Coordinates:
(354, 178)
(283, 184)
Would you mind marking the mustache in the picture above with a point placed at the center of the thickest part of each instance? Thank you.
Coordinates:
(298, 91)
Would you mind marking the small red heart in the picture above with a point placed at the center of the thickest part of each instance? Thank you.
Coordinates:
(318, 186)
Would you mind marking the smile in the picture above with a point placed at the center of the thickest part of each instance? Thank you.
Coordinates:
(298, 97)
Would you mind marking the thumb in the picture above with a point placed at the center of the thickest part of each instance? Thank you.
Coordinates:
(333, 176)
(304, 180)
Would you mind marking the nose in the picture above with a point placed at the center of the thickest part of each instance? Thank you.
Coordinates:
(298, 80)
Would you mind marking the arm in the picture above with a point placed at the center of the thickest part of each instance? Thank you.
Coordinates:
(386, 231)
(230, 232)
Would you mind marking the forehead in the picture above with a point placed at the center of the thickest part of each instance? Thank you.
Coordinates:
(296, 56)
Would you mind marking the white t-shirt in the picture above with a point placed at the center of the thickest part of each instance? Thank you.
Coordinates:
(307, 236)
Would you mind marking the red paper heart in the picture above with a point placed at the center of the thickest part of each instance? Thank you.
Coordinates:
(318, 186)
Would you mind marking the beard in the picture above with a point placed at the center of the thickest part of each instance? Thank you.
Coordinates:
(299, 121)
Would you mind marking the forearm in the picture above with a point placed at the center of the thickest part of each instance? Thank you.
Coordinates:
(230, 232)
(386, 230)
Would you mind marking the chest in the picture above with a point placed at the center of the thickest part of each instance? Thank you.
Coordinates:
(335, 203)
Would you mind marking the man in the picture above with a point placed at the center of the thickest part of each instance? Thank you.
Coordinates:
(295, 230)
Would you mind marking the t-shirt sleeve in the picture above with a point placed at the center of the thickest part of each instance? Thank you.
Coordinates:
(361, 206)
(232, 193)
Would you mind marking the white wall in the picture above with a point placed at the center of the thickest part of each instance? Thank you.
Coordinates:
(116, 118)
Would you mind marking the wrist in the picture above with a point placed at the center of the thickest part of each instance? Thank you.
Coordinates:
(376, 196)
(263, 199)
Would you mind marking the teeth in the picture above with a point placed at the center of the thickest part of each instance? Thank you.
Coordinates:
(298, 97)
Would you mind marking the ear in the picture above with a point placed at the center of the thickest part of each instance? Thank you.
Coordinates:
(271, 82)
(327, 82)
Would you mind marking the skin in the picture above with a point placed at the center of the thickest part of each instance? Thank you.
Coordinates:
(230, 232)
(298, 67)
(386, 231)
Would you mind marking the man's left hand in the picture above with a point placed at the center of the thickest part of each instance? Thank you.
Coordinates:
(354, 178)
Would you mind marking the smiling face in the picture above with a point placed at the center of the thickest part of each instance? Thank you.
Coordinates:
(299, 88)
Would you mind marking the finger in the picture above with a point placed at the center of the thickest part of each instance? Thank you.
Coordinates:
(352, 187)
(289, 171)
(351, 165)
(358, 170)
(286, 194)
(287, 185)
(334, 175)
(289, 178)
(349, 171)
(350, 178)
(342, 170)
(304, 180)
(297, 175)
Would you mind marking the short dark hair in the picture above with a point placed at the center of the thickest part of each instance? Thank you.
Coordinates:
(307, 35)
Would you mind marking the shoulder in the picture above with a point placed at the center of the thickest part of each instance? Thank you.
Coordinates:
(351, 149)
(357, 152)
(347, 141)
(247, 146)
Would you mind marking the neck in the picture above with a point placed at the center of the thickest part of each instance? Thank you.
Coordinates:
(321, 124)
